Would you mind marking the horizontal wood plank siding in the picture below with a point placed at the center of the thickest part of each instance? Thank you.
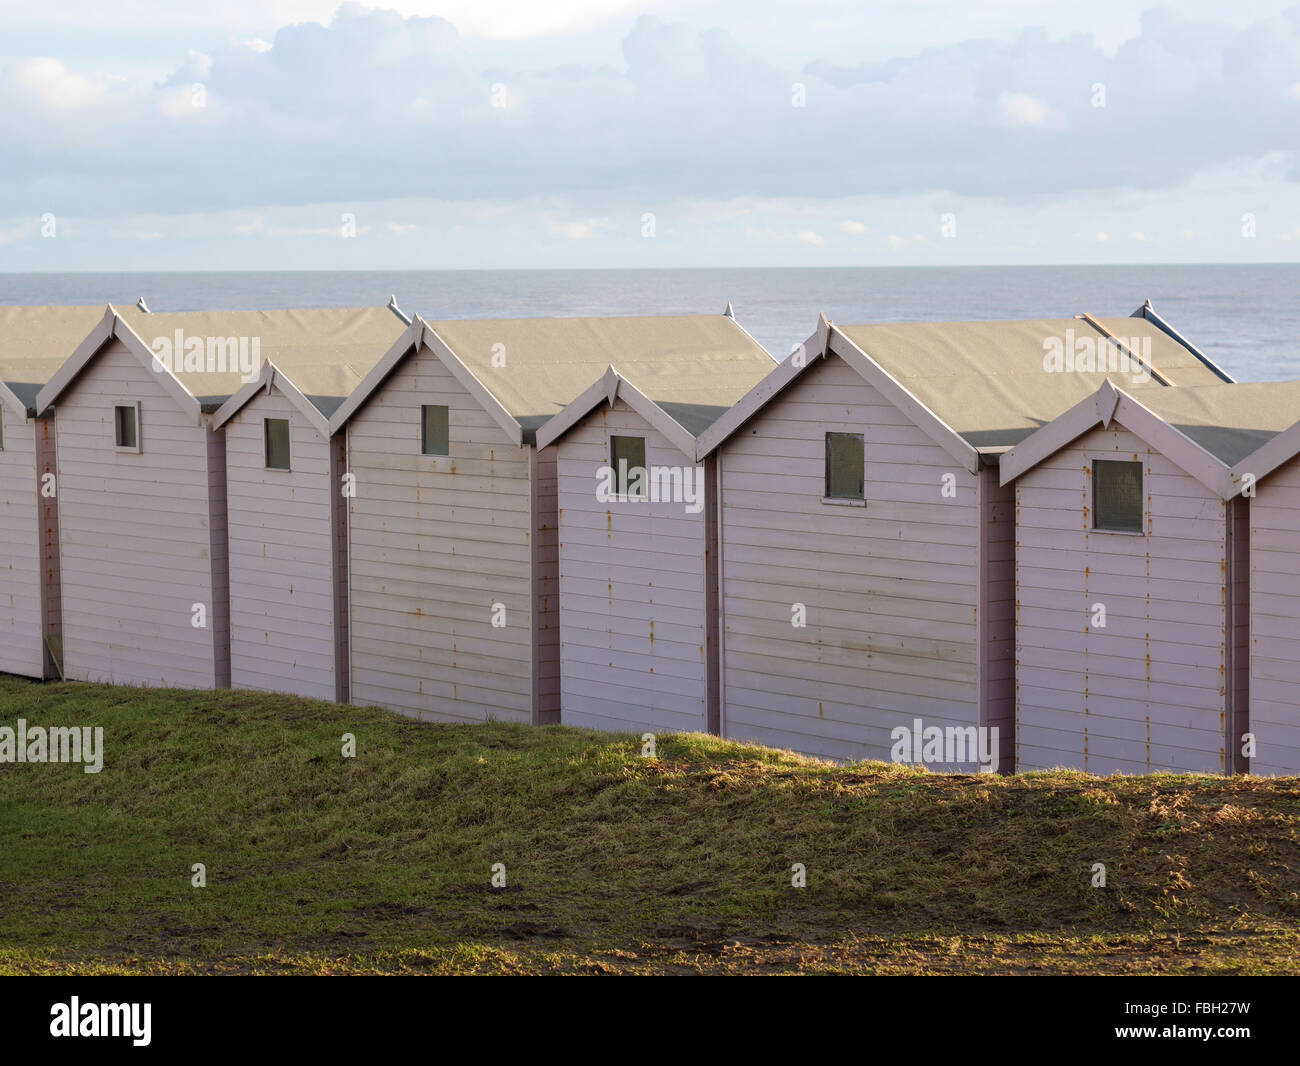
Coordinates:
(1146, 692)
(890, 589)
(434, 543)
(1275, 622)
(281, 555)
(632, 590)
(21, 638)
(134, 532)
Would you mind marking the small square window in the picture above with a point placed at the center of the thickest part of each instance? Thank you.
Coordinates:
(845, 462)
(277, 443)
(1117, 496)
(625, 455)
(435, 432)
(126, 427)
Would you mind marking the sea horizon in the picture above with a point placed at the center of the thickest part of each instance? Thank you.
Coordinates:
(1242, 315)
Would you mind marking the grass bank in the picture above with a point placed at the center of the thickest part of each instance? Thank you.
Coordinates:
(317, 863)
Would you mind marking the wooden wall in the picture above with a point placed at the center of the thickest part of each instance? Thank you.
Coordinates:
(891, 589)
(632, 590)
(281, 558)
(997, 631)
(1275, 622)
(21, 645)
(434, 544)
(1147, 691)
(135, 534)
(546, 587)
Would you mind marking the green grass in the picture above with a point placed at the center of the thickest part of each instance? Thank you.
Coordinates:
(615, 863)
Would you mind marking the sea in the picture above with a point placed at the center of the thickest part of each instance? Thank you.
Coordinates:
(1246, 317)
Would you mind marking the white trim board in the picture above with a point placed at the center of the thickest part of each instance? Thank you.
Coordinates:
(272, 377)
(421, 334)
(1112, 404)
(113, 327)
(613, 386)
(826, 339)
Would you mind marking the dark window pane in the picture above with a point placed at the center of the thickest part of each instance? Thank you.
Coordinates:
(277, 444)
(1117, 496)
(125, 429)
(625, 455)
(845, 458)
(435, 436)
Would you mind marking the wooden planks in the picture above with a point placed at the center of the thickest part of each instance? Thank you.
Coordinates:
(138, 535)
(890, 589)
(434, 544)
(281, 537)
(633, 598)
(1146, 691)
(22, 611)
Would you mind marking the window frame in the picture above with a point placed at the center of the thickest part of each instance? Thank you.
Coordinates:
(1094, 526)
(858, 500)
(266, 445)
(620, 488)
(127, 449)
(424, 429)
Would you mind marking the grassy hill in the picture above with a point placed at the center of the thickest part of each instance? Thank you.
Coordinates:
(614, 863)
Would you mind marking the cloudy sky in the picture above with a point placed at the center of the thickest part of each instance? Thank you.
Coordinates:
(147, 134)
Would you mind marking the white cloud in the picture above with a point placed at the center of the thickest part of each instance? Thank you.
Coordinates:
(1021, 109)
(47, 84)
(575, 231)
(692, 124)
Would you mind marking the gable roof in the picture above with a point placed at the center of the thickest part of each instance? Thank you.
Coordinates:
(978, 388)
(525, 371)
(1212, 432)
(34, 343)
(326, 351)
(987, 379)
(680, 397)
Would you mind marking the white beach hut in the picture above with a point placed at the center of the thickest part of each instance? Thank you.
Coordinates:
(1268, 481)
(287, 510)
(1146, 583)
(142, 484)
(639, 644)
(34, 343)
(868, 582)
(453, 556)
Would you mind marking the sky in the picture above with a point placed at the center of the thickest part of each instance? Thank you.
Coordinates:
(470, 134)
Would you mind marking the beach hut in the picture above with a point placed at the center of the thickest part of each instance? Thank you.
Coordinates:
(142, 483)
(453, 555)
(1144, 576)
(868, 582)
(287, 513)
(34, 342)
(1269, 483)
(639, 646)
